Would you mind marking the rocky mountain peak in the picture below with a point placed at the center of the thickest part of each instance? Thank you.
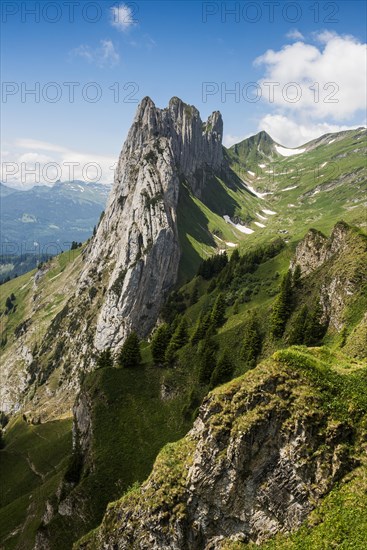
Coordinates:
(138, 236)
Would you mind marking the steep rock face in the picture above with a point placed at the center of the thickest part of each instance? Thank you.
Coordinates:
(335, 267)
(260, 455)
(137, 240)
(316, 249)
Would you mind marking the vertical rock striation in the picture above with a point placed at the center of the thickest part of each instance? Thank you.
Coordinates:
(136, 246)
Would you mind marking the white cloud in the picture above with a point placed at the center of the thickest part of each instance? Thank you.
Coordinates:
(36, 144)
(295, 34)
(31, 158)
(122, 17)
(291, 133)
(335, 72)
(105, 55)
(32, 162)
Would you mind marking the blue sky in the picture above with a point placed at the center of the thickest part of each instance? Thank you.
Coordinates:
(165, 49)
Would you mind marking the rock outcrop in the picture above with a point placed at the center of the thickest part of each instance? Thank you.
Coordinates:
(334, 268)
(261, 453)
(137, 244)
(316, 249)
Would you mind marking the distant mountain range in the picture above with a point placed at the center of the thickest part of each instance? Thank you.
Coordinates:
(45, 220)
(65, 212)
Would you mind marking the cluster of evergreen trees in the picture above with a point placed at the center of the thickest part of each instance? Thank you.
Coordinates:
(307, 327)
(128, 357)
(214, 367)
(212, 266)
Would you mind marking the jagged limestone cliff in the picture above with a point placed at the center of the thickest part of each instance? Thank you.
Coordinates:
(138, 236)
(263, 450)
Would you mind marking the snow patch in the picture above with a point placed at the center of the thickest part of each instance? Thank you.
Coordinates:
(269, 212)
(331, 141)
(251, 173)
(288, 152)
(261, 217)
(238, 226)
(259, 224)
(232, 245)
(262, 165)
(290, 188)
(256, 193)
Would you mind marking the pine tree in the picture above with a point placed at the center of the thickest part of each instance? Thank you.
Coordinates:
(129, 356)
(207, 359)
(235, 257)
(297, 333)
(9, 304)
(252, 341)
(297, 276)
(314, 329)
(201, 328)
(178, 340)
(218, 317)
(160, 343)
(194, 294)
(105, 359)
(212, 286)
(222, 372)
(282, 307)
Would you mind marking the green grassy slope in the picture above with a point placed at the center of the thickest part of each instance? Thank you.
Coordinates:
(32, 464)
(316, 188)
(36, 304)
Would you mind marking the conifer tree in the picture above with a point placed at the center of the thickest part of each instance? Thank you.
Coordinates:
(9, 304)
(235, 256)
(178, 340)
(252, 341)
(129, 356)
(160, 343)
(297, 276)
(222, 372)
(105, 359)
(194, 296)
(297, 333)
(314, 329)
(201, 328)
(218, 313)
(282, 307)
(207, 359)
